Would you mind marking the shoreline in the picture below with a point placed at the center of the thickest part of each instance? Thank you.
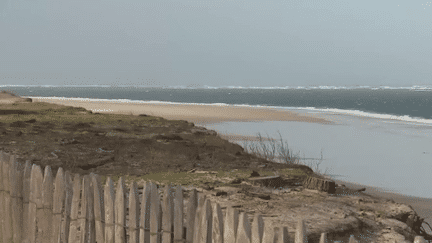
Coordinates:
(199, 114)
(207, 114)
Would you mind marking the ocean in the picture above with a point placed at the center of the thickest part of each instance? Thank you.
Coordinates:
(382, 136)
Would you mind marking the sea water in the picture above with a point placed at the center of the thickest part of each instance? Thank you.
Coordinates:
(393, 155)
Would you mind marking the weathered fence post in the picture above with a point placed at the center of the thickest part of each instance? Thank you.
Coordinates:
(134, 213)
(35, 203)
(7, 214)
(283, 236)
(244, 231)
(16, 182)
(26, 197)
(204, 225)
(58, 203)
(99, 210)
(231, 224)
(323, 238)
(197, 225)
(167, 214)
(155, 216)
(86, 219)
(178, 214)
(257, 229)
(190, 215)
(218, 230)
(269, 235)
(2, 193)
(109, 210)
(65, 226)
(73, 232)
(300, 235)
(145, 213)
(120, 212)
(45, 215)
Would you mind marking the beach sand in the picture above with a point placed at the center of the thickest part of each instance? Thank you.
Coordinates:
(205, 114)
(199, 114)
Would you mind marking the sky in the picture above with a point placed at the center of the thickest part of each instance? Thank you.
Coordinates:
(216, 42)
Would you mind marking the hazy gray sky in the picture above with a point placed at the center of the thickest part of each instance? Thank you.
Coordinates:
(216, 43)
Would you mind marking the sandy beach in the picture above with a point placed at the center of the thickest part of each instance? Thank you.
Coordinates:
(203, 114)
(199, 114)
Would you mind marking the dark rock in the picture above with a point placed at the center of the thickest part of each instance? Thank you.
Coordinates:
(207, 187)
(221, 193)
(18, 124)
(254, 174)
(236, 181)
(31, 121)
(82, 125)
(65, 141)
(168, 137)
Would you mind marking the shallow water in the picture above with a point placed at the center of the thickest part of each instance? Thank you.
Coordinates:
(394, 155)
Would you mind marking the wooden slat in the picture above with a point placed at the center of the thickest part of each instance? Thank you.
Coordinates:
(45, 215)
(99, 209)
(231, 224)
(73, 230)
(58, 204)
(178, 214)
(35, 202)
(218, 229)
(26, 197)
(190, 215)
(167, 215)
(15, 176)
(120, 212)
(86, 219)
(134, 213)
(109, 196)
(65, 226)
(2, 195)
(244, 231)
(7, 216)
(204, 225)
(257, 228)
(300, 235)
(155, 216)
(145, 213)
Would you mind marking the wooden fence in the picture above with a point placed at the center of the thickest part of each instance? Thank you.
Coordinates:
(38, 208)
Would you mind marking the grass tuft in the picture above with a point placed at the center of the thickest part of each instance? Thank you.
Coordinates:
(279, 152)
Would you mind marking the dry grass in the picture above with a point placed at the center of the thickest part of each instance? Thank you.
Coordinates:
(279, 152)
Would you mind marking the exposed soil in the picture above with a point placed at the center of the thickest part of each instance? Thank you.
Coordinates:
(142, 148)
